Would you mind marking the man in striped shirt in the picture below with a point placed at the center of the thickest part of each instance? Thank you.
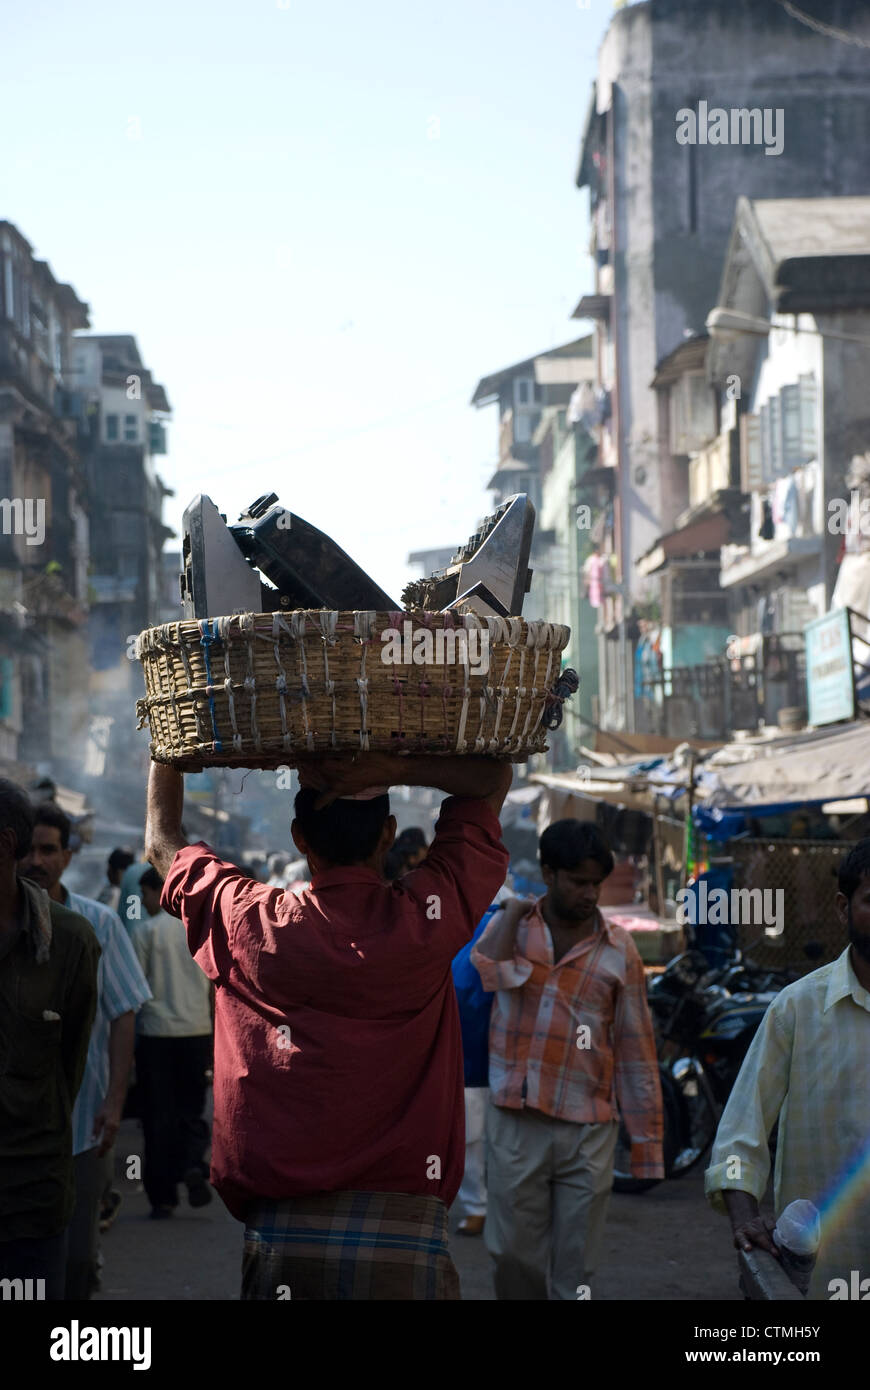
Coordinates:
(121, 990)
(570, 1037)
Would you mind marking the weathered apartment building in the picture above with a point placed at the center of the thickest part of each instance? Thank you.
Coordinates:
(771, 538)
(44, 574)
(126, 411)
(546, 409)
(694, 106)
(79, 508)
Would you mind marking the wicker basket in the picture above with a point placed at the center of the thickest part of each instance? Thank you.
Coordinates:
(257, 689)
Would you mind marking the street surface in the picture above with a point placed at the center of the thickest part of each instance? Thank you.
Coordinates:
(666, 1245)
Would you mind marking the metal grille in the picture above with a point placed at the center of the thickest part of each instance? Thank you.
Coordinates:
(806, 873)
(669, 854)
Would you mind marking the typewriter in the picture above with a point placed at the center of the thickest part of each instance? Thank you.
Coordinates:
(271, 559)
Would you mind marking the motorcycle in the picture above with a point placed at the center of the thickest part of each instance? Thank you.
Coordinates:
(704, 1022)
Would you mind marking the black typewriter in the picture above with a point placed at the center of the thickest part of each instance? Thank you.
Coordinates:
(271, 559)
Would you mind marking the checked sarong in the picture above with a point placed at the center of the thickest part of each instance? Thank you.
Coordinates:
(348, 1245)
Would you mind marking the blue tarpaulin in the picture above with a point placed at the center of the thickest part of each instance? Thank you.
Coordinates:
(474, 1009)
(724, 823)
(716, 941)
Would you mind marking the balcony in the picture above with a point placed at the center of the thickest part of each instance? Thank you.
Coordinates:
(740, 565)
(714, 469)
(795, 522)
(742, 690)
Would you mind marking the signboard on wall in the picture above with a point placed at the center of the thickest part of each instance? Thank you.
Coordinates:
(830, 678)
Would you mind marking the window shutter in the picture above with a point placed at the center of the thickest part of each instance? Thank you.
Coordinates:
(751, 465)
(809, 417)
(766, 453)
(774, 421)
(792, 456)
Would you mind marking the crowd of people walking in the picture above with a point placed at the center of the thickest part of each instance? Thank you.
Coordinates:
(395, 1033)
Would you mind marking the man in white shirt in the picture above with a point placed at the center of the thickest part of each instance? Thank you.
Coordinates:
(809, 1066)
(173, 1054)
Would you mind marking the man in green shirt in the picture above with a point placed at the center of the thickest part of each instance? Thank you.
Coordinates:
(48, 998)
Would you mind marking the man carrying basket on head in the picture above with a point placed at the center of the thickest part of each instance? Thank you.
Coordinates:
(339, 1127)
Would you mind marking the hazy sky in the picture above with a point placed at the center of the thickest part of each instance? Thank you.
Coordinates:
(323, 221)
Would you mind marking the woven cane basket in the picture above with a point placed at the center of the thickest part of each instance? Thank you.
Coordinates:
(257, 689)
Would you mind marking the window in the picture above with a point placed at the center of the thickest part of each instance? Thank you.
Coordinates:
(9, 287)
(809, 417)
(789, 429)
(131, 429)
(126, 564)
(127, 532)
(774, 424)
(751, 465)
(693, 414)
(522, 393)
(111, 427)
(522, 429)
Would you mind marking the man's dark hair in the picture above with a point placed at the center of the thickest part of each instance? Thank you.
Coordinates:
(49, 814)
(411, 839)
(566, 843)
(345, 832)
(394, 864)
(16, 813)
(854, 868)
(121, 858)
(151, 879)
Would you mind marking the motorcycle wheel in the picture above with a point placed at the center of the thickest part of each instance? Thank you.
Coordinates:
(697, 1123)
(622, 1179)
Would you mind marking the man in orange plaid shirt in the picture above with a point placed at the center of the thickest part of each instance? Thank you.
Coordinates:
(570, 1037)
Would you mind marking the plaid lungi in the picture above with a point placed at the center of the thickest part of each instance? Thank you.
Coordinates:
(348, 1245)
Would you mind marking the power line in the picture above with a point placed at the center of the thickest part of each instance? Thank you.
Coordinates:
(827, 30)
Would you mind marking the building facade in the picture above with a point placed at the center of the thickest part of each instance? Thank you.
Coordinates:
(546, 409)
(81, 533)
(44, 545)
(772, 537)
(693, 106)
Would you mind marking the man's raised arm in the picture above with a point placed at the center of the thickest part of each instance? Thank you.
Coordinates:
(488, 779)
(163, 837)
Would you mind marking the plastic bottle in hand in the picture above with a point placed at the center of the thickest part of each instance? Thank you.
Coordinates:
(796, 1236)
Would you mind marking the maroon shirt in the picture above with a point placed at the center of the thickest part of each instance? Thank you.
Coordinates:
(363, 1088)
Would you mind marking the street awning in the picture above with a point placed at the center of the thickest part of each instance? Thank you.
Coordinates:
(626, 785)
(805, 769)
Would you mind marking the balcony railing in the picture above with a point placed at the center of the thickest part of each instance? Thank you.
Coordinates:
(741, 692)
(711, 470)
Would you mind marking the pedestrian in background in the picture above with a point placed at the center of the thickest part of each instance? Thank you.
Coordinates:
(277, 866)
(474, 1013)
(121, 990)
(110, 893)
(49, 959)
(173, 1055)
(407, 851)
(570, 1036)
